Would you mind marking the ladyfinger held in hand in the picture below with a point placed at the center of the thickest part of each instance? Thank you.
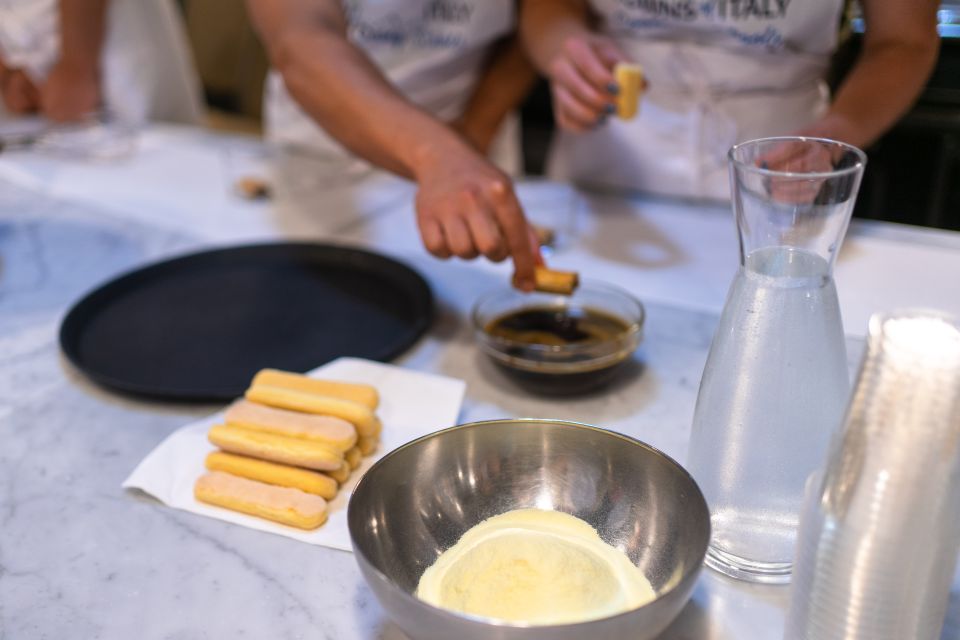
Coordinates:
(357, 414)
(280, 504)
(274, 448)
(280, 475)
(361, 393)
(629, 78)
(335, 432)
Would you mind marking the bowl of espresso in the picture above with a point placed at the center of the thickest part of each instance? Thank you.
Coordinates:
(560, 344)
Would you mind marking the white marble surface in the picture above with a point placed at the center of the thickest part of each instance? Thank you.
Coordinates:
(80, 558)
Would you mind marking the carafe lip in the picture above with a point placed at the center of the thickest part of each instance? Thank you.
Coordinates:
(858, 165)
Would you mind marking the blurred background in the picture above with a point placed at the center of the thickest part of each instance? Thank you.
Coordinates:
(913, 173)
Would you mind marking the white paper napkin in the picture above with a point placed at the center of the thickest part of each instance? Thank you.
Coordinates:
(412, 404)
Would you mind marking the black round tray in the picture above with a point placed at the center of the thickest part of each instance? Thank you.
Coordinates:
(198, 327)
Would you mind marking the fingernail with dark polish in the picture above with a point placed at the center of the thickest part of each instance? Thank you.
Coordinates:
(610, 108)
(613, 88)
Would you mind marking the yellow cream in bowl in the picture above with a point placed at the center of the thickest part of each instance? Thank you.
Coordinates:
(536, 567)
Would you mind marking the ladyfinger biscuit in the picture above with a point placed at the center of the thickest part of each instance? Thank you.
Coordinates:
(368, 445)
(353, 458)
(550, 281)
(361, 393)
(341, 474)
(629, 78)
(267, 446)
(280, 504)
(273, 473)
(335, 432)
(357, 414)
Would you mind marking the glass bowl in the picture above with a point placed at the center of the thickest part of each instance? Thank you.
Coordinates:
(557, 366)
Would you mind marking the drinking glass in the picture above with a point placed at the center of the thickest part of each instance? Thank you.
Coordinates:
(775, 383)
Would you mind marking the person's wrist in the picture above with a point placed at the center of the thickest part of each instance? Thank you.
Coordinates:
(79, 65)
(837, 126)
(429, 153)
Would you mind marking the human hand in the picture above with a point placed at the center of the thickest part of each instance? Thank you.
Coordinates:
(71, 92)
(20, 95)
(804, 162)
(582, 83)
(466, 207)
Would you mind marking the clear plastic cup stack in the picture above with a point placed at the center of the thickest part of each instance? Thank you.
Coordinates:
(880, 531)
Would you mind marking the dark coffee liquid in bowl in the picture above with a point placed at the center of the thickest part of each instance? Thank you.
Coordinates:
(553, 326)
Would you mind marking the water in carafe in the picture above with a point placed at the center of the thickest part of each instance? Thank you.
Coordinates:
(776, 383)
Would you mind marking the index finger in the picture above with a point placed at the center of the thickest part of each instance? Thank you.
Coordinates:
(515, 230)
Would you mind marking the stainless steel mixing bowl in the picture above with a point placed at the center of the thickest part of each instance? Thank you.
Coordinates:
(417, 501)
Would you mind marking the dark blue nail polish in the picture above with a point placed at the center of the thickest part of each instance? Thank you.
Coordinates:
(613, 88)
(610, 108)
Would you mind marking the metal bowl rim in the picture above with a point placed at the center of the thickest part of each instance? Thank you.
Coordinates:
(503, 624)
(633, 330)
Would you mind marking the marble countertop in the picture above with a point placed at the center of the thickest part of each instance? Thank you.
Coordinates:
(81, 558)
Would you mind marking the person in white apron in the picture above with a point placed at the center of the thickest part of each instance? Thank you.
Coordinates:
(414, 87)
(719, 72)
(127, 58)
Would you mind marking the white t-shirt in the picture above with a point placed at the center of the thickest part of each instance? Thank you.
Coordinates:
(720, 72)
(433, 51)
(146, 68)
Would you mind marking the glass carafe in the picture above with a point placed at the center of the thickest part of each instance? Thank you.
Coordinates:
(775, 383)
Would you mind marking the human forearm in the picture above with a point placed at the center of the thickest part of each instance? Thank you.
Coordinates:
(546, 25)
(82, 29)
(338, 86)
(505, 83)
(71, 90)
(465, 206)
(899, 51)
(879, 90)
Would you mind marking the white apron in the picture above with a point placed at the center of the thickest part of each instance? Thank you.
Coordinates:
(146, 67)
(720, 72)
(433, 52)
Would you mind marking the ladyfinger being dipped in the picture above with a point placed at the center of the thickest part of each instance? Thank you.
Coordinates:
(335, 432)
(357, 414)
(280, 504)
(280, 475)
(274, 448)
(363, 394)
(550, 281)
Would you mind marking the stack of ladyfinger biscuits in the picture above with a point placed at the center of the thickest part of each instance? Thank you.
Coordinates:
(288, 445)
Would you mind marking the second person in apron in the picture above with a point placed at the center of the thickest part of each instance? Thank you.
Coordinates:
(719, 72)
